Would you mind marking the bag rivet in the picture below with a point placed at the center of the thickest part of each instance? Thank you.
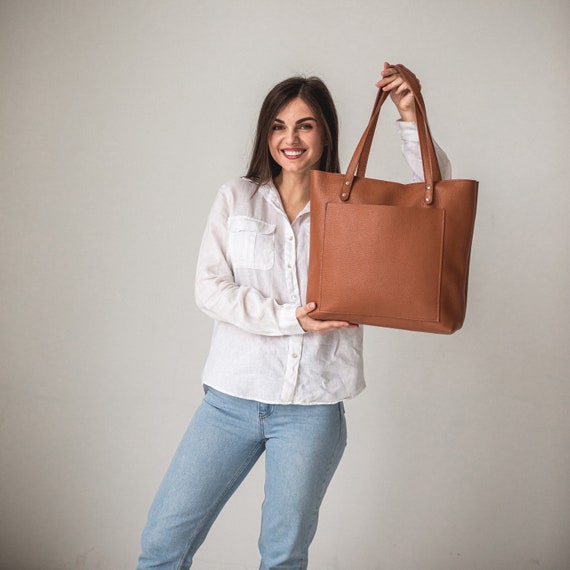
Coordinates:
(347, 183)
(344, 194)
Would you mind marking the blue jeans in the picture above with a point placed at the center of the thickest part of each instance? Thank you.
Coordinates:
(303, 446)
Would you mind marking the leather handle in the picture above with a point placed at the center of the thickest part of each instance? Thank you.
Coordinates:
(358, 163)
(363, 162)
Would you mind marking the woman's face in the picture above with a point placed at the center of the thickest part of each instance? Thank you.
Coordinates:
(296, 139)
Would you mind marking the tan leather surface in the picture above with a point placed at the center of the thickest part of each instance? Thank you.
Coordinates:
(381, 253)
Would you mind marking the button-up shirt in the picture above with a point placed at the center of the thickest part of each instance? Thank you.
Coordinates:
(251, 277)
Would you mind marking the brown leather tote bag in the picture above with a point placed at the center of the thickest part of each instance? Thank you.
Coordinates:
(389, 254)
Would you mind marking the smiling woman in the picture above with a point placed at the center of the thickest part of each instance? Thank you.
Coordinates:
(275, 378)
(295, 137)
(296, 144)
(318, 105)
(296, 141)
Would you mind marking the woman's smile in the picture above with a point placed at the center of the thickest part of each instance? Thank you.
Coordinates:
(293, 153)
(296, 139)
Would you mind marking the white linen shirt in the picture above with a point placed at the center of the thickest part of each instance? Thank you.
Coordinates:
(251, 277)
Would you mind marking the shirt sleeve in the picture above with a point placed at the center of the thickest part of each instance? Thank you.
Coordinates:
(220, 297)
(410, 142)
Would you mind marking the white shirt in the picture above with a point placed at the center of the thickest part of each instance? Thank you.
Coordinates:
(251, 277)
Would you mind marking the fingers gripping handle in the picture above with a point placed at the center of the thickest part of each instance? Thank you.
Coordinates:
(430, 164)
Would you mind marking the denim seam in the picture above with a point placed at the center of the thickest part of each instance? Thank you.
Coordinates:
(327, 477)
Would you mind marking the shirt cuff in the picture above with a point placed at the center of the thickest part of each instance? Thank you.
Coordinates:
(288, 322)
(408, 131)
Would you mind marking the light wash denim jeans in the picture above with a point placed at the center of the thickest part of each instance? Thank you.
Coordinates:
(303, 446)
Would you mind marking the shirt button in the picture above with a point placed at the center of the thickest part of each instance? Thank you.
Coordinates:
(294, 355)
(290, 238)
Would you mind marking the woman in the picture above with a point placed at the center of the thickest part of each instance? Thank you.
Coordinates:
(275, 378)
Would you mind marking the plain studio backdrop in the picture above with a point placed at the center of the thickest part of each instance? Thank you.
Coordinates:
(120, 120)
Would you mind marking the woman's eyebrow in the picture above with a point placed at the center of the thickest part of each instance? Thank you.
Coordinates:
(303, 120)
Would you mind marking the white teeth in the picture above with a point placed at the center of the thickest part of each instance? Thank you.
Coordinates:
(293, 152)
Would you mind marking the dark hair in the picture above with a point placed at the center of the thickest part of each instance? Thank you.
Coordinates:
(316, 95)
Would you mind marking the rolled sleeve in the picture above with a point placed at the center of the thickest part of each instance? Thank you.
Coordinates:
(410, 144)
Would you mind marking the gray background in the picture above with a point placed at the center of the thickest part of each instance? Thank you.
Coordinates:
(119, 120)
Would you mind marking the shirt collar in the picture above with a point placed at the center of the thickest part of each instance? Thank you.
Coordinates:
(271, 194)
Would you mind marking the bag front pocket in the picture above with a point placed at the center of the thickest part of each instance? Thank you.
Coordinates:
(251, 243)
(404, 246)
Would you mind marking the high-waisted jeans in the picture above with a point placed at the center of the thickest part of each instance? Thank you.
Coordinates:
(303, 446)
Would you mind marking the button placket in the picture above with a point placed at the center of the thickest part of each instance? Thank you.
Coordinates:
(291, 269)
(292, 371)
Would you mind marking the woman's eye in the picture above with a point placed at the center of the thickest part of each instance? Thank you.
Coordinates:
(305, 126)
(277, 127)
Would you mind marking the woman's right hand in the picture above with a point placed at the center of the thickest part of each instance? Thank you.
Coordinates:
(400, 92)
(309, 324)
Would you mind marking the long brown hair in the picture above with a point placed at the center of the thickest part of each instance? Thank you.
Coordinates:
(316, 95)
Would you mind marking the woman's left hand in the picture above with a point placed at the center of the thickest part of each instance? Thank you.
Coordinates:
(309, 324)
(400, 92)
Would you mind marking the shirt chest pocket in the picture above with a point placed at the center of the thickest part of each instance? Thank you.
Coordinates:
(251, 243)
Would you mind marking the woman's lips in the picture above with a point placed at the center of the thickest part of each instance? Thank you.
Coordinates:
(292, 153)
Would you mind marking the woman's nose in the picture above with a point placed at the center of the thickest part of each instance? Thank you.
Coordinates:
(291, 136)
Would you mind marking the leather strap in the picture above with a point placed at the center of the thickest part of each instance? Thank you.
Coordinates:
(363, 162)
(358, 163)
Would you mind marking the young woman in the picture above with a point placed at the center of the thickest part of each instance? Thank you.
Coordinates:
(275, 378)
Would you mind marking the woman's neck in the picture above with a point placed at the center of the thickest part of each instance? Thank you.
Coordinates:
(294, 191)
